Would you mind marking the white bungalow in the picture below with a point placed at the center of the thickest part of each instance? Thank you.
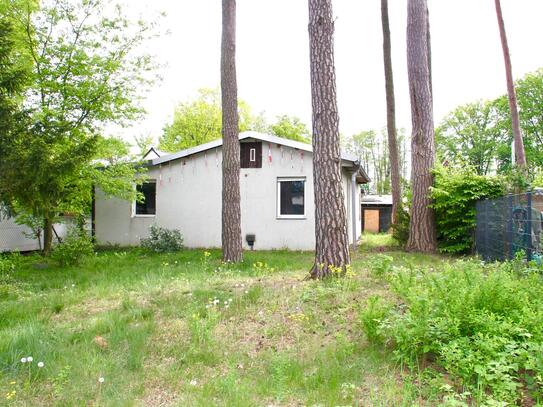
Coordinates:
(184, 192)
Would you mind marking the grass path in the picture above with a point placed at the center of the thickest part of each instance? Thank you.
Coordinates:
(182, 330)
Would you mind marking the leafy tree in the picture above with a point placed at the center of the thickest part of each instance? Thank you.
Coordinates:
(470, 135)
(480, 134)
(332, 243)
(372, 149)
(87, 73)
(422, 230)
(292, 128)
(199, 121)
(232, 250)
(455, 192)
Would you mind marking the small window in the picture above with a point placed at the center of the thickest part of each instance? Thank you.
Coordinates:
(250, 154)
(291, 198)
(147, 207)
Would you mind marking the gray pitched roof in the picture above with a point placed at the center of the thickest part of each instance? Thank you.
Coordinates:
(268, 138)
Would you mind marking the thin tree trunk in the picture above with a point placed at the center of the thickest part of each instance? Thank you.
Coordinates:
(332, 243)
(422, 229)
(47, 235)
(391, 114)
(231, 212)
(520, 156)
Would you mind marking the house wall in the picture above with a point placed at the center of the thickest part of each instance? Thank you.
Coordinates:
(15, 237)
(189, 199)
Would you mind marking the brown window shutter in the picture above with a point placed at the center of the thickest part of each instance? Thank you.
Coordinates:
(245, 155)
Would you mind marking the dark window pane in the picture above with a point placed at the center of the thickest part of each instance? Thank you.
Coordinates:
(292, 197)
(148, 206)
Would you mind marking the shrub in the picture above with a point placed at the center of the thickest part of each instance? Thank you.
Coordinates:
(481, 323)
(372, 316)
(455, 193)
(400, 229)
(162, 240)
(73, 249)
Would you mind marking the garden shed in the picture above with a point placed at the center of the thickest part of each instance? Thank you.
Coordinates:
(376, 213)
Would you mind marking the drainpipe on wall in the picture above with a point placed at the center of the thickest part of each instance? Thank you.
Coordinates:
(353, 209)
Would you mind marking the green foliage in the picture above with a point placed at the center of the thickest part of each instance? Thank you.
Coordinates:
(371, 148)
(200, 120)
(380, 265)
(73, 249)
(162, 240)
(470, 135)
(88, 72)
(482, 324)
(292, 128)
(480, 135)
(454, 195)
(400, 229)
(372, 316)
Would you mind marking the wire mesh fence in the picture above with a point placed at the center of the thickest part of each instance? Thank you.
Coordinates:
(509, 225)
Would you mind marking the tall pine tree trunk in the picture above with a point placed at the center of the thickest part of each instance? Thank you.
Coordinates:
(391, 114)
(332, 243)
(422, 229)
(231, 212)
(520, 156)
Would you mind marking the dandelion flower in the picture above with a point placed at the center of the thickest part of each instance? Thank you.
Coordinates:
(23, 360)
(101, 380)
(40, 364)
(246, 292)
(29, 359)
(193, 382)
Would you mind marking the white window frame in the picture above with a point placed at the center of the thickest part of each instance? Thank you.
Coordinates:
(252, 155)
(278, 200)
(138, 215)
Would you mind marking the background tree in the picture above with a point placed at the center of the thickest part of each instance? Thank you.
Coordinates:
(199, 121)
(372, 150)
(520, 156)
(391, 114)
(231, 212)
(291, 127)
(470, 135)
(422, 228)
(87, 73)
(332, 244)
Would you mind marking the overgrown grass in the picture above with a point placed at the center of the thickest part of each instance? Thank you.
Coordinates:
(184, 329)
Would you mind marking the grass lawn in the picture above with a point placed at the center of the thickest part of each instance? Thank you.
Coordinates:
(182, 329)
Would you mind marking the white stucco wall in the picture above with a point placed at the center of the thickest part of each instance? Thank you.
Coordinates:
(189, 199)
(15, 237)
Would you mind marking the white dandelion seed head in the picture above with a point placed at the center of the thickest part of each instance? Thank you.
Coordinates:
(40, 364)
(193, 382)
(101, 380)
(29, 359)
(23, 360)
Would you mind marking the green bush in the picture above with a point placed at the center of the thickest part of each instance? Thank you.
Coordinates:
(162, 240)
(400, 229)
(371, 316)
(73, 249)
(481, 323)
(455, 193)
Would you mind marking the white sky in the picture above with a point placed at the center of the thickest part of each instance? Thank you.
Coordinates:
(273, 56)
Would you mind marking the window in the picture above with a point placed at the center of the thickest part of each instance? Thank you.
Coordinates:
(250, 155)
(291, 198)
(147, 207)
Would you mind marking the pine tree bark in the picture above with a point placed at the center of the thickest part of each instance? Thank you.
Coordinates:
(391, 114)
(520, 156)
(332, 243)
(231, 212)
(422, 229)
